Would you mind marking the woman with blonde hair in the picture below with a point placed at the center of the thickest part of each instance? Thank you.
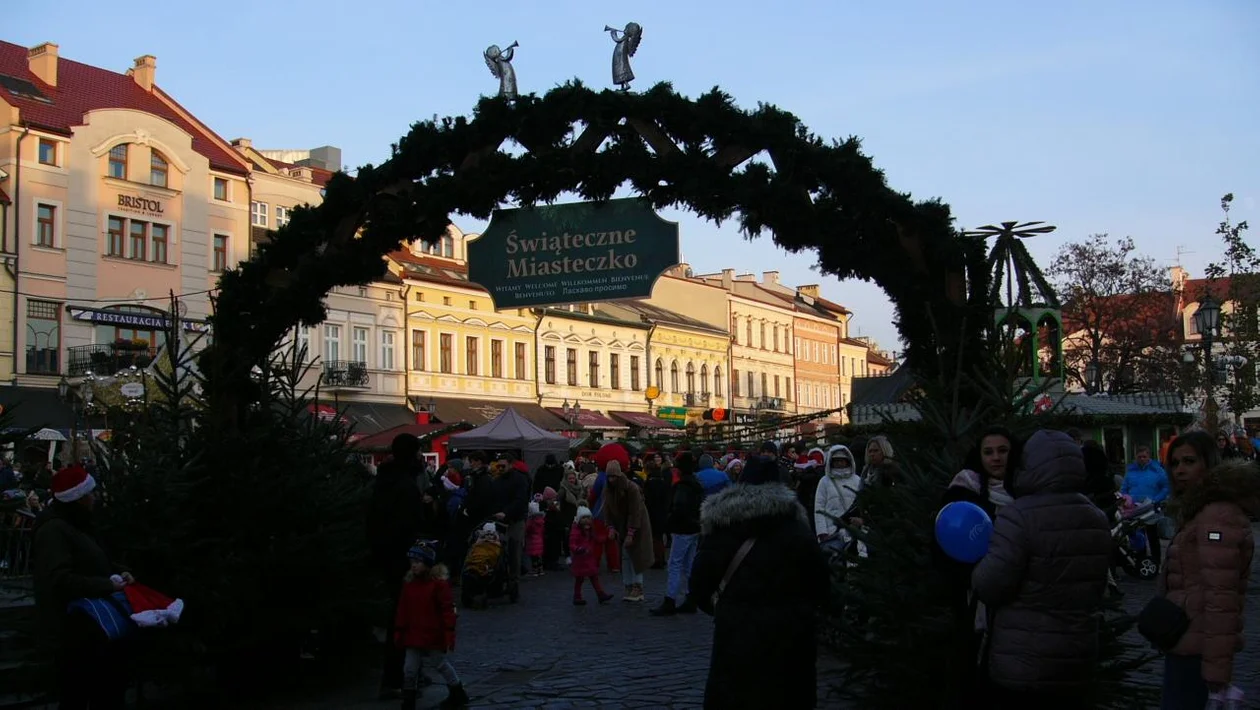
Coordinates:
(881, 468)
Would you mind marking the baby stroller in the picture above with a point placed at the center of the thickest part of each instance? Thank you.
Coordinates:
(485, 574)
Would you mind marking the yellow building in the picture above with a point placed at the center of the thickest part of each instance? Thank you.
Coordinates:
(464, 359)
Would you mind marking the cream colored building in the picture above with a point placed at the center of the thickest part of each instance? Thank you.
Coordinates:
(762, 361)
(594, 356)
(120, 198)
(463, 357)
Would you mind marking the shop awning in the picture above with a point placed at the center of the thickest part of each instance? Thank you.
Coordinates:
(480, 411)
(372, 417)
(642, 420)
(35, 408)
(382, 440)
(588, 419)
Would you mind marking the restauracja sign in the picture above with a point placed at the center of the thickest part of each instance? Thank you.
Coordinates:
(577, 252)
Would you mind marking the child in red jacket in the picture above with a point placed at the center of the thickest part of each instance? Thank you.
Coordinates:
(535, 524)
(425, 625)
(583, 545)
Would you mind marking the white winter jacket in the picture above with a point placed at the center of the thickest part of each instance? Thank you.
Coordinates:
(837, 491)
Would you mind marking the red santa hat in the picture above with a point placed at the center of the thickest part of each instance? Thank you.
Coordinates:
(814, 458)
(72, 483)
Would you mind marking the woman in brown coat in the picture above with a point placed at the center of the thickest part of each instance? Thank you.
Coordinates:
(627, 520)
(1208, 563)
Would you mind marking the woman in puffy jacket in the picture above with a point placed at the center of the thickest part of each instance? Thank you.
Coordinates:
(1208, 564)
(1043, 580)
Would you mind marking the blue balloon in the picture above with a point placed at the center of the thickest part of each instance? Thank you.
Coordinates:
(963, 531)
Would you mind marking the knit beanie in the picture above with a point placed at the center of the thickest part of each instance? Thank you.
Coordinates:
(582, 512)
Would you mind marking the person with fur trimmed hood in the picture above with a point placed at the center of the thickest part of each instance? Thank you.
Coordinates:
(834, 497)
(761, 576)
(1208, 566)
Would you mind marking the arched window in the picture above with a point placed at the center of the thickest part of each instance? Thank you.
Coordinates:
(673, 377)
(118, 161)
(691, 378)
(717, 381)
(159, 170)
(660, 375)
(704, 379)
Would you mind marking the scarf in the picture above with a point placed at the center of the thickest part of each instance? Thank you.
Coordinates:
(970, 480)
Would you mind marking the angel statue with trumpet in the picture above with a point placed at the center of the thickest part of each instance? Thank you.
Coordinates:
(500, 63)
(627, 45)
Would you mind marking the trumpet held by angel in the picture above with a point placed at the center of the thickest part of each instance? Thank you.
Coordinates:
(500, 63)
(627, 44)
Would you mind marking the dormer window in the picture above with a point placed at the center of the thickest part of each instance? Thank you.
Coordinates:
(159, 170)
(118, 161)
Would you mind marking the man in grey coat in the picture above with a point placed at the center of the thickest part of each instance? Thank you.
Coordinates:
(1043, 580)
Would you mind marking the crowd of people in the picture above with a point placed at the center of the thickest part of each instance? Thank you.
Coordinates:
(752, 540)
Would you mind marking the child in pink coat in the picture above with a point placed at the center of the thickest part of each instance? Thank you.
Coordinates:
(583, 547)
(535, 524)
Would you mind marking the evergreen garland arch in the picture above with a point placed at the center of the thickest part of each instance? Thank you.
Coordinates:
(825, 196)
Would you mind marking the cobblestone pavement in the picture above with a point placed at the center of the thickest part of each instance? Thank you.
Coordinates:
(546, 653)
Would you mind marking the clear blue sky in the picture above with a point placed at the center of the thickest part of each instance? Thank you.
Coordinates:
(1131, 118)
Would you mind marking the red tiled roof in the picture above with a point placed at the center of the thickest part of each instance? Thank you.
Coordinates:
(319, 176)
(433, 269)
(82, 88)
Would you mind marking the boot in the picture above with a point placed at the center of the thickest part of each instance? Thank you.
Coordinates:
(687, 607)
(635, 595)
(409, 700)
(579, 601)
(666, 608)
(605, 598)
(455, 698)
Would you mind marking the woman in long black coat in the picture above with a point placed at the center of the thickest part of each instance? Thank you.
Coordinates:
(764, 648)
(656, 490)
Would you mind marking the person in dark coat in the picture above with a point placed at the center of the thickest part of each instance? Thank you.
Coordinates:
(1043, 580)
(71, 564)
(510, 490)
(764, 649)
(656, 498)
(549, 475)
(395, 520)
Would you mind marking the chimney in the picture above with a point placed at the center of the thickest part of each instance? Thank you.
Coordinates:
(810, 290)
(770, 278)
(1179, 277)
(242, 143)
(728, 278)
(746, 277)
(42, 60)
(145, 71)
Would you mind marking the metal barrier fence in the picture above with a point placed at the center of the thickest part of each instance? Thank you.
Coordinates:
(16, 532)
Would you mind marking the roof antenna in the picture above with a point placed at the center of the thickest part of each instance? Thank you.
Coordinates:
(1182, 250)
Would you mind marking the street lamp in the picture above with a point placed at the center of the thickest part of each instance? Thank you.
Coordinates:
(1091, 377)
(571, 412)
(1207, 320)
(430, 407)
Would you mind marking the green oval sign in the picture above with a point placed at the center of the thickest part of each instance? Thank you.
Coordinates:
(572, 253)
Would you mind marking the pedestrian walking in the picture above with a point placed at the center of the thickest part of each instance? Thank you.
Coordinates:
(424, 626)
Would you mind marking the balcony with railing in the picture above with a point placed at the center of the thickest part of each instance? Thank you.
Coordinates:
(697, 399)
(345, 374)
(772, 404)
(108, 358)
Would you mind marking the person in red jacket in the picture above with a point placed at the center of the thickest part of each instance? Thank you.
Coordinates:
(584, 549)
(424, 625)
